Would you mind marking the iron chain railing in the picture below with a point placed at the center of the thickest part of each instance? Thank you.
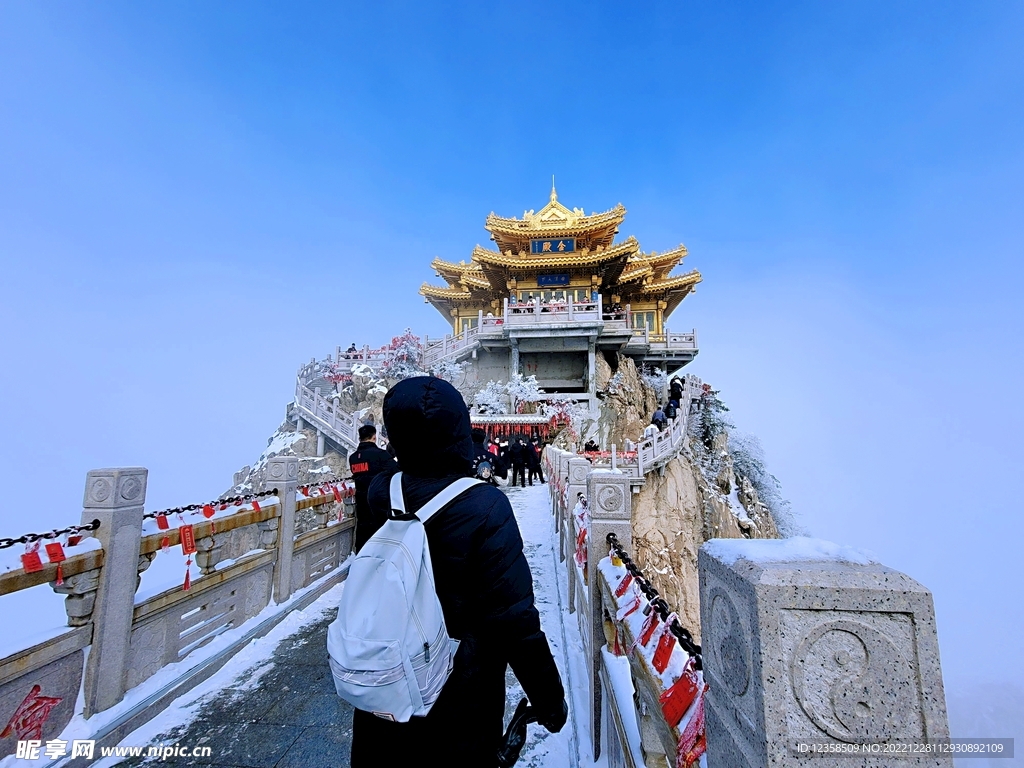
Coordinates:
(657, 602)
(195, 508)
(56, 533)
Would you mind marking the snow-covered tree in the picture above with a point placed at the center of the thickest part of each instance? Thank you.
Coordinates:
(748, 461)
(492, 399)
(657, 379)
(573, 417)
(710, 420)
(521, 390)
(405, 357)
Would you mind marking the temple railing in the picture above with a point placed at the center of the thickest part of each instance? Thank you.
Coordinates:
(552, 313)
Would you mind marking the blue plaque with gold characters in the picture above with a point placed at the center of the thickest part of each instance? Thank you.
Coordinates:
(544, 281)
(561, 245)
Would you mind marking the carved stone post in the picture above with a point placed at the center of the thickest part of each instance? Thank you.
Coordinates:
(563, 514)
(513, 364)
(822, 651)
(115, 497)
(283, 474)
(610, 507)
(320, 443)
(576, 483)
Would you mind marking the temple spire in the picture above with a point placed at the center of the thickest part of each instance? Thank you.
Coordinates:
(554, 195)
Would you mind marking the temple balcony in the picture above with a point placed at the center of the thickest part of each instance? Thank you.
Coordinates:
(561, 326)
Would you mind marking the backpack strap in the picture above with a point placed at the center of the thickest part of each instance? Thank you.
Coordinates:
(427, 511)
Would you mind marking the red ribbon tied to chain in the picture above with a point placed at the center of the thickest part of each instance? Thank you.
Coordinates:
(692, 741)
(55, 554)
(624, 584)
(678, 698)
(30, 561)
(666, 643)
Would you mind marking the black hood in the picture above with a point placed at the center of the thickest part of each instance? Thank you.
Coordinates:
(428, 425)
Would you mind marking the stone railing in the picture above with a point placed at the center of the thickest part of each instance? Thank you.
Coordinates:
(803, 643)
(552, 313)
(326, 415)
(450, 348)
(247, 561)
(628, 725)
(668, 341)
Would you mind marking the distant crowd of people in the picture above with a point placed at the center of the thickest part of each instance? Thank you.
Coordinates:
(520, 454)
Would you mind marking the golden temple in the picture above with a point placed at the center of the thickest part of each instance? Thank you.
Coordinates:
(558, 254)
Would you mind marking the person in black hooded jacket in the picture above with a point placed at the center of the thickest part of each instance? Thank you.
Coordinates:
(483, 583)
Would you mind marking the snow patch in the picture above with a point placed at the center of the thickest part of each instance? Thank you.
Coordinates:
(796, 549)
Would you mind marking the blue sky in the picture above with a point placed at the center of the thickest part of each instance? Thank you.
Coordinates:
(196, 197)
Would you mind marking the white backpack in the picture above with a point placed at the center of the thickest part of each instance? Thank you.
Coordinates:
(389, 649)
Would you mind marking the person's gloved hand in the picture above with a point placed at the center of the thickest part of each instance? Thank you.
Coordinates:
(554, 720)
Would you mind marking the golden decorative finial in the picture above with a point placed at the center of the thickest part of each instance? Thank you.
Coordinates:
(554, 195)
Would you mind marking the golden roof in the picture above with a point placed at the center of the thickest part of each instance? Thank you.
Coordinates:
(621, 268)
(634, 271)
(671, 283)
(553, 220)
(433, 291)
(582, 258)
(474, 281)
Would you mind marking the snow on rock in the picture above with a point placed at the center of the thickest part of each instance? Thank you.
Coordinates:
(796, 549)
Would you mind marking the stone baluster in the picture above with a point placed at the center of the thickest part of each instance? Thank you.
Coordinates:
(115, 497)
(827, 651)
(610, 509)
(208, 553)
(283, 474)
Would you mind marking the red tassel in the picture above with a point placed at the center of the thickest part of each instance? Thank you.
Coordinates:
(663, 652)
(60, 574)
(162, 523)
(337, 495)
(165, 543)
(677, 699)
(624, 585)
(256, 505)
(188, 575)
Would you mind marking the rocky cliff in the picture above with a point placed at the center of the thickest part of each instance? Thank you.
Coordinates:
(699, 495)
